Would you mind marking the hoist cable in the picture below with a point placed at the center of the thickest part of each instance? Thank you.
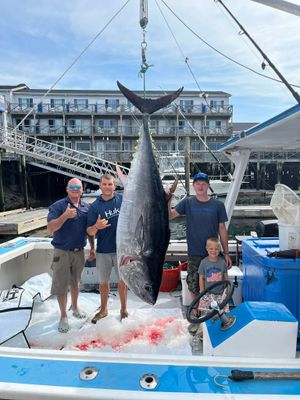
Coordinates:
(75, 61)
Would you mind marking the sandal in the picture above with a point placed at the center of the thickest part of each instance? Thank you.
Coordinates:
(63, 326)
(99, 315)
(79, 314)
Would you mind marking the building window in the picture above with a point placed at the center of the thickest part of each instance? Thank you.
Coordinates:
(75, 123)
(216, 105)
(126, 146)
(55, 124)
(67, 144)
(154, 125)
(25, 124)
(195, 145)
(182, 124)
(107, 124)
(218, 126)
(112, 104)
(186, 106)
(25, 102)
(57, 104)
(161, 146)
(75, 126)
(83, 146)
(111, 146)
(213, 145)
(81, 103)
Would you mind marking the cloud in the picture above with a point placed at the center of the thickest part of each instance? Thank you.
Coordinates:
(40, 40)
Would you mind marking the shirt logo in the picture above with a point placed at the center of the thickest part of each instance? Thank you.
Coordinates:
(112, 213)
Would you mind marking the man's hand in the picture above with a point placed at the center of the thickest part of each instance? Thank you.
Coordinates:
(228, 261)
(101, 223)
(92, 255)
(70, 212)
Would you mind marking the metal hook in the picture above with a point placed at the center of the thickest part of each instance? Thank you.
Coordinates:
(221, 385)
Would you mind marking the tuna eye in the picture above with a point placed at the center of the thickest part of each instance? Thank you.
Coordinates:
(148, 288)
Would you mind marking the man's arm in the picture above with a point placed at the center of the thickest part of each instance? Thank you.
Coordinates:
(224, 242)
(171, 210)
(173, 213)
(91, 240)
(55, 224)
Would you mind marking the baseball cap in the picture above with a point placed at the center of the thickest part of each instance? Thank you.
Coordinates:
(201, 176)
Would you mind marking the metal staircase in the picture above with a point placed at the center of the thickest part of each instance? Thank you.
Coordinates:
(54, 157)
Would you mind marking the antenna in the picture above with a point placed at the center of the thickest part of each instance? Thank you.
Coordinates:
(294, 93)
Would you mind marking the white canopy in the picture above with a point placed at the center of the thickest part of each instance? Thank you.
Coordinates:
(280, 133)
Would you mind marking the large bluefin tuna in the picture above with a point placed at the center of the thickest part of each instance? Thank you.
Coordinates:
(143, 227)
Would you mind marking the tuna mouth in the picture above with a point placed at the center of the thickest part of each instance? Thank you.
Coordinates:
(134, 272)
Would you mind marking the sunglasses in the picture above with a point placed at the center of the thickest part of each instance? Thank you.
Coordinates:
(73, 187)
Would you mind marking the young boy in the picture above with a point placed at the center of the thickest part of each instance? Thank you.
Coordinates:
(212, 269)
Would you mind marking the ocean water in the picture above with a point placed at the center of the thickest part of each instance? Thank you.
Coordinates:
(237, 227)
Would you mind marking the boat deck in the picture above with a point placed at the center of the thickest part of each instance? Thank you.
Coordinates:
(153, 343)
(161, 328)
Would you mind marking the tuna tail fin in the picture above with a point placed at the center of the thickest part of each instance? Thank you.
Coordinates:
(148, 106)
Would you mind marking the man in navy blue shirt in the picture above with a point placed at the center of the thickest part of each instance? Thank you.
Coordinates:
(67, 220)
(102, 221)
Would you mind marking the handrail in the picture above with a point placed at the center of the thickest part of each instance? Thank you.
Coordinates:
(61, 157)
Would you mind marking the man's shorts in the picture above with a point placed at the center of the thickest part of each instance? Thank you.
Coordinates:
(192, 278)
(105, 263)
(67, 267)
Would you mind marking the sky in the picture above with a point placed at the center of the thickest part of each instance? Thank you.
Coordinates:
(40, 40)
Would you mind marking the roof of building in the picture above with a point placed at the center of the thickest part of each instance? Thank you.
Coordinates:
(110, 91)
(242, 126)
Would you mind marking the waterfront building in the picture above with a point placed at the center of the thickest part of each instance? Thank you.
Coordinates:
(104, 124)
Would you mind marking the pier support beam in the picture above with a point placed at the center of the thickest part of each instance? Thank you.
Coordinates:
(24, 181)
(187, 164)
(279, 171)
(1, 185)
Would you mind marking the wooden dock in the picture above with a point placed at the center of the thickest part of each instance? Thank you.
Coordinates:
(20, 221)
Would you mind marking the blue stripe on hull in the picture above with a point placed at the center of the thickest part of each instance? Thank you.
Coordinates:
(126, 376)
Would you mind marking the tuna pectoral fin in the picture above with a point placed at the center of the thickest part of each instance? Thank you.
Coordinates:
(139, 232)
(148, 106)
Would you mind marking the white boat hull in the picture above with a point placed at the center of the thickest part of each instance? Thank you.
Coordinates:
(57, 374)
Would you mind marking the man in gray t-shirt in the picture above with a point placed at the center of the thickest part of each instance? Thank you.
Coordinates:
(205, 217)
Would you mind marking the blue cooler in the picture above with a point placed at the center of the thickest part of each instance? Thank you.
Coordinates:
(270, 279)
